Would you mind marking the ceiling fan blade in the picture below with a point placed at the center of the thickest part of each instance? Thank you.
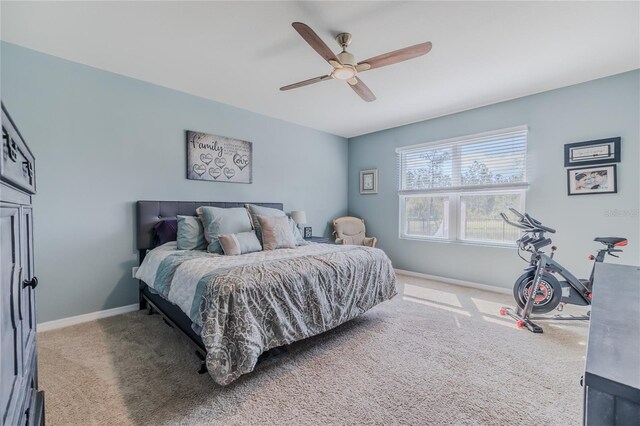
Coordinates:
(306, 82)
(396, 56)
(363, 91)
(316, 42)
(363, 66)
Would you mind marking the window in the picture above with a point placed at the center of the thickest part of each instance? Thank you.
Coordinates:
(455, 189)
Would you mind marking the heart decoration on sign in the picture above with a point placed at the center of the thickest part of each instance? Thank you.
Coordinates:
(220, 162)
(229, 173)
(240, 160)
(199, 169)
(215, 173)
(206, 158)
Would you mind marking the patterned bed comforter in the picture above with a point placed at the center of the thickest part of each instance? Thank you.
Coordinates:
(248, 304)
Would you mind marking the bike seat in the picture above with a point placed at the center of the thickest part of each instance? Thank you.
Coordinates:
(612, 241)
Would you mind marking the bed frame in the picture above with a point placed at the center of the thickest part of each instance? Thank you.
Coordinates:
(148, 214)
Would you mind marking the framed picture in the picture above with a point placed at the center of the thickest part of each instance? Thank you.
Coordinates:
(369, 181)
(601, 151)
(218, 158)
(307, 232)
(592, 180)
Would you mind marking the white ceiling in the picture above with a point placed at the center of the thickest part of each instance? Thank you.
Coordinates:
(240, 53)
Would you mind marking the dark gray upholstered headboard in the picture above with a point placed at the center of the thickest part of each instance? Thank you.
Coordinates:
(151, 212)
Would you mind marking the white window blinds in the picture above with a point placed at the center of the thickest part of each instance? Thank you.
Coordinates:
(492, 160)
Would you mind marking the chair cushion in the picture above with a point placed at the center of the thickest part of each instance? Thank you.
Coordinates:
(350, 229)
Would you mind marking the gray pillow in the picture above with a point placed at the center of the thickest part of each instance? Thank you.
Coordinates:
(240, 243)
(255, 211)
(276, 233)
(217, 221)
(190, 234)
(297, 235)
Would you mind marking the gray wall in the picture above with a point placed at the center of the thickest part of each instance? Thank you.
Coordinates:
(103, 141)
(598, 109)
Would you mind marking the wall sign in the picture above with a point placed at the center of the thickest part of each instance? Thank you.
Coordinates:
(600, 151)
(218, 158)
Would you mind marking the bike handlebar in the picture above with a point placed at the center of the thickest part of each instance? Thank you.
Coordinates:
(517, 225)
(516, 212)
(538, 224)
(526, 222)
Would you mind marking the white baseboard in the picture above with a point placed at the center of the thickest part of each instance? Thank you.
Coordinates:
(78, 319)
(455, 282)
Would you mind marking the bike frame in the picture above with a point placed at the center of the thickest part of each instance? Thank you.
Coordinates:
(532, 242)
(541, 262)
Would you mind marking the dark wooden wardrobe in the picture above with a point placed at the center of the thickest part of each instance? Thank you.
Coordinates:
(22, 403)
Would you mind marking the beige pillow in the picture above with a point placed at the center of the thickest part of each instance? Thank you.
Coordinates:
(230, 244)
(276, 233)
(240, 243)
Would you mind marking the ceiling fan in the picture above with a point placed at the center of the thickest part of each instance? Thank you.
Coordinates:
(344, 65)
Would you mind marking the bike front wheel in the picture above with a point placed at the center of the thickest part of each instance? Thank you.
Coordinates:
(547, 296)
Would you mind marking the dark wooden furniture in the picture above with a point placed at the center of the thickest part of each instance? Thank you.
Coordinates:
(612, 371)
(21, 401)
(148, 214)
(323, 240)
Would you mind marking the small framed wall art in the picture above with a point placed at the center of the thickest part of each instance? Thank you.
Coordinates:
(592, 180)
(369, 181)
(600, 151)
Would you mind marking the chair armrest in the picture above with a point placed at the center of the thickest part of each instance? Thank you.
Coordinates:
(340, 241)
(370, 241)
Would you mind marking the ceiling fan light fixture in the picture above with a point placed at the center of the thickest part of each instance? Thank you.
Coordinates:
(344, 73)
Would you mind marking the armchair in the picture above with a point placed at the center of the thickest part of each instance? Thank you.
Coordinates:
(351, 230)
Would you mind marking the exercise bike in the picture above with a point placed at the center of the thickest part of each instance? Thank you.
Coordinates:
(550, 293)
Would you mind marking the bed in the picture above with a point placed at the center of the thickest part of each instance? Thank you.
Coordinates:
(235, 308)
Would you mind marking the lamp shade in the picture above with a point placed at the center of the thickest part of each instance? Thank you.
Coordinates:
(299, 217)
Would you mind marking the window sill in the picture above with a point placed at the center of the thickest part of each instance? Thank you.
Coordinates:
(460, 242)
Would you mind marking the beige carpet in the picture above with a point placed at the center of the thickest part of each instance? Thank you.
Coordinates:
(436, 354)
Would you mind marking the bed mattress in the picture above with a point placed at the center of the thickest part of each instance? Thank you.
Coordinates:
(245, 305)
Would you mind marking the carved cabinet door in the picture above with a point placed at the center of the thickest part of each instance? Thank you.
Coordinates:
(12, 313)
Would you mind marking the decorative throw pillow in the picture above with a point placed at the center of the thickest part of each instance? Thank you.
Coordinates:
(218, 221)
(297, 235)
(255, 211)
(166, 230)
(240, 243)
(190, 233)
(199, 216)
(276, 233)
